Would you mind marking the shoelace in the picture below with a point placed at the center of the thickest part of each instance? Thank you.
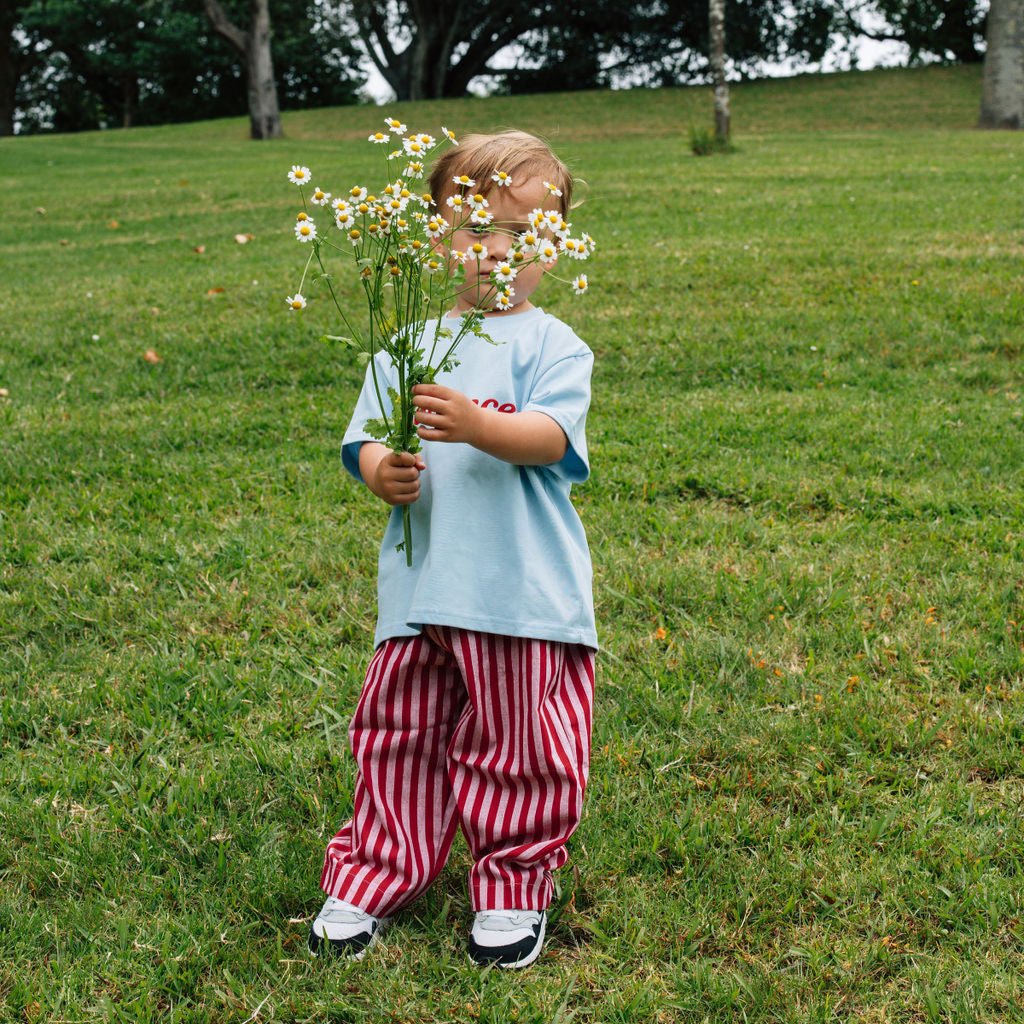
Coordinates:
(341, 912)
(507, 920)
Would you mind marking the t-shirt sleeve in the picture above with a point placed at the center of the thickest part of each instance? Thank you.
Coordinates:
(367, 408)
(562, 391)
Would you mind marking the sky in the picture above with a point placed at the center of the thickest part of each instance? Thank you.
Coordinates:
(869, 54)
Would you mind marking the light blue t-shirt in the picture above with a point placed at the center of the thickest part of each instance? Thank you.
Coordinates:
(497, 548)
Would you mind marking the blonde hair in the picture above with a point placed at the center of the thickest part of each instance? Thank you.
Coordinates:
(519, 154)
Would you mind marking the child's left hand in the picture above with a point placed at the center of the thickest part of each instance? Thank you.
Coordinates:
(449, 414)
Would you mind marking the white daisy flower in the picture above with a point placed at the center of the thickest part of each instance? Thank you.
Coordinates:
(537, 218)
(425, 200)
(552, 219)
(339, 204)
(305, 230)
(414, 169)
(395, 125)
(504, 271)
(463, 180)
(436, 227)
(345, 219)
(449, 135)
(414, 147)
(478, 201)
(458, 255)
(426, 140)
(547, 252)
(355, 234)
(433, 265)
(358, 193)
(481, 217)
(296, 301)
(502, 178)
(320, 197)
(528, 241)
(478, 251)
(579, 286)
(457, 203)
(553, 189)
(299, 175)
(378, 138)
(575, 248)
(302, 215)
(503, 301)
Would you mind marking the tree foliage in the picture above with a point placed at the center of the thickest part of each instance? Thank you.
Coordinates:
(123, 62)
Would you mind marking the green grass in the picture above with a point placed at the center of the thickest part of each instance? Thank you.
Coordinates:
(808, 447)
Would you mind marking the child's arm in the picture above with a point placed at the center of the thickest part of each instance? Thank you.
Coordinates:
(392, 476)
(522, 438)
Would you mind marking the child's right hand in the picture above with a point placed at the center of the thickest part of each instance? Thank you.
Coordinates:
(396, 477)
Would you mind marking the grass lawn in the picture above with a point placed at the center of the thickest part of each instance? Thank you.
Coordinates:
(806, 515)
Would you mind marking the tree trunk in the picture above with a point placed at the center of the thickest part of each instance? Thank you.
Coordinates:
(264, 113)
(8, 89)
(254, 46)
(1002, 96)
(129, 100)
(716, 14)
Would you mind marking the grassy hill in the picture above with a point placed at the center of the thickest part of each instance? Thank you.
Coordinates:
(807, 439)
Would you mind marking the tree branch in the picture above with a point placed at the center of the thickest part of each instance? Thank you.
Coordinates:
(223, 25)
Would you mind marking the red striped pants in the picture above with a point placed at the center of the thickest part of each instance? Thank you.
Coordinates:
(462, 728)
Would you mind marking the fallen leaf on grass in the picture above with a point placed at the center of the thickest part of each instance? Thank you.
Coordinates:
(151, 357)
(63, 241)
(4, 393)
(214, 291)
(242, 239)
(200, 249)
(41, 210)
(114, 225)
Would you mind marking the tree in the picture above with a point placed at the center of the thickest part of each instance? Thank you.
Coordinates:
(716, 17)
(254, 45)
(20, 53)
(1002, 101)
(446, 44)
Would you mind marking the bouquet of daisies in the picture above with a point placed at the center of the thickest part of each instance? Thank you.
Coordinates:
(398, 244)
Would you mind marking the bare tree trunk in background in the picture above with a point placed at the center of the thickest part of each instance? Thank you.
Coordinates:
(254, 46)
(716, 15)
(1002, 95)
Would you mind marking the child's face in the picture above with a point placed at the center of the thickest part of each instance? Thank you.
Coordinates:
(511, 207)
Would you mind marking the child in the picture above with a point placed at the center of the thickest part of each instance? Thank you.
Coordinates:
(476, 708)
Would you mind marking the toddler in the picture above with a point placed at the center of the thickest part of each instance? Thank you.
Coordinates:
(476, 707)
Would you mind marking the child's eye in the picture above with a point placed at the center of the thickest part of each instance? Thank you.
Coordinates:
(480, 229)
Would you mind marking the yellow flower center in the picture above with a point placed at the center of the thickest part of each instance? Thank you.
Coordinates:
(302, 217)
(477, 247)
(395, 272)
(355, 191)
(296, 304)
(355, 233)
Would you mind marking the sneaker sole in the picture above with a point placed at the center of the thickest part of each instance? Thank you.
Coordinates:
(338, 954)
(524, 961)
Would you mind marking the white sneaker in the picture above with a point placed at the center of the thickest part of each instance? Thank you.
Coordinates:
(346, 930)
(508, 938)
